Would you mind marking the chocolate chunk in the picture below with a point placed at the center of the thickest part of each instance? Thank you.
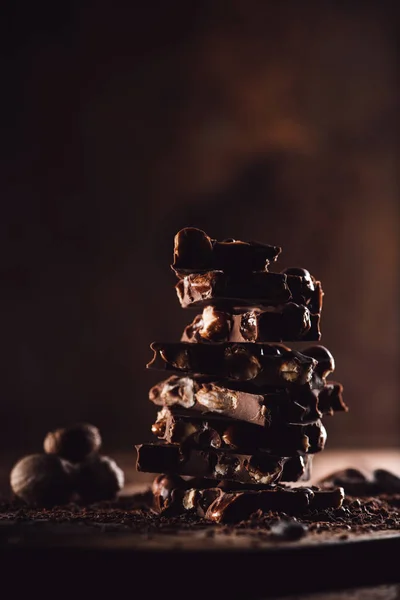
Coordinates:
(330, 399)
(263, 364)
(211, 464)
(196, 252)
(187, 428)
(388, 482)
(288, 529)
(297, 468)
(274, 407)
(248, 289)
(353, 481)
(288, 322)
(326, 362)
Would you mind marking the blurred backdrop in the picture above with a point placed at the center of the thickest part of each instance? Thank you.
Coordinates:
(272, 121)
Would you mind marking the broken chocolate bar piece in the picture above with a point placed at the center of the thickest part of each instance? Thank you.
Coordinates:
(246, 290)
(185, 427)
(297, 468)
(276, 406)
(262, 364)
(212, 463)
(288, 322)
(196, 252)
(231, 502)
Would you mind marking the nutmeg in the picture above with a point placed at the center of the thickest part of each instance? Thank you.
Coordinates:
(43, 480)
(98, 478)
(75, 443)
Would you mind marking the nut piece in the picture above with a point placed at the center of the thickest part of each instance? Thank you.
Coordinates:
(326, 362)
(74, 443)
(42, 480)
(99, 478)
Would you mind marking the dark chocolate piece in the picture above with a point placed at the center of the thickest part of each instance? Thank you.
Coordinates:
(353, 481)
(288, 529)
(176, 496)
(297, 468)
(248, 290)
(288, 322)
(196, 252)
(263, 364)
(185, 427)
(211, 463)
(233, 507)
(276, 406)
(388, 482)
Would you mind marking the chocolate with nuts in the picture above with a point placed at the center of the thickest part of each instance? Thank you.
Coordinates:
(297, 404)
(212, 463)
(190, 430)
(262, 364)
(196, 252)
(288, 322)
(246, 290)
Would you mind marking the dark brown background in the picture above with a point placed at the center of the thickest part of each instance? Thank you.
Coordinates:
(273, 121)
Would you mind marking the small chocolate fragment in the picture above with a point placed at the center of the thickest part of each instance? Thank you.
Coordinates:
(211, 464)
(288, 529)
(326, 362)
(75, 443)
(297, 468)
(258, 289)
(188, 428)
(196, 252)
(43, 480)
(326, 498)
(289, 322)
(162, 488)
(262, 364)
(353, 481)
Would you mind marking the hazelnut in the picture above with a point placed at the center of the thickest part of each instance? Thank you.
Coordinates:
(74, 443)
(98, 478)
(326, 362)
(42, 480)
(162, 487)
(298, 272)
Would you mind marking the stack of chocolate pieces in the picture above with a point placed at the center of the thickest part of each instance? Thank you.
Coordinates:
(240, 415)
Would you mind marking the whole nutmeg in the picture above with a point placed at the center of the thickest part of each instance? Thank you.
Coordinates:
(43, 480)
(98, 478)
(75, 443)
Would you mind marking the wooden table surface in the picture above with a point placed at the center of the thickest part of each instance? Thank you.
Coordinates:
(247, 565)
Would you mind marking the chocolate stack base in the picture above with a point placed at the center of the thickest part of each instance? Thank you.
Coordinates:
(240, 412)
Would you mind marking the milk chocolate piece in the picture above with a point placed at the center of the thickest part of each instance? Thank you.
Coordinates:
(288, 322)
(185, 427)
(259, 289)
(211, 463)
(276, 406)
(263, 364)
(196, 252)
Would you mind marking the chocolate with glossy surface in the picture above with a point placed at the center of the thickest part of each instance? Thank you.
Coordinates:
(288, 322)
(196, 252)
(245, 290)
(262, 364)
(188, 428)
